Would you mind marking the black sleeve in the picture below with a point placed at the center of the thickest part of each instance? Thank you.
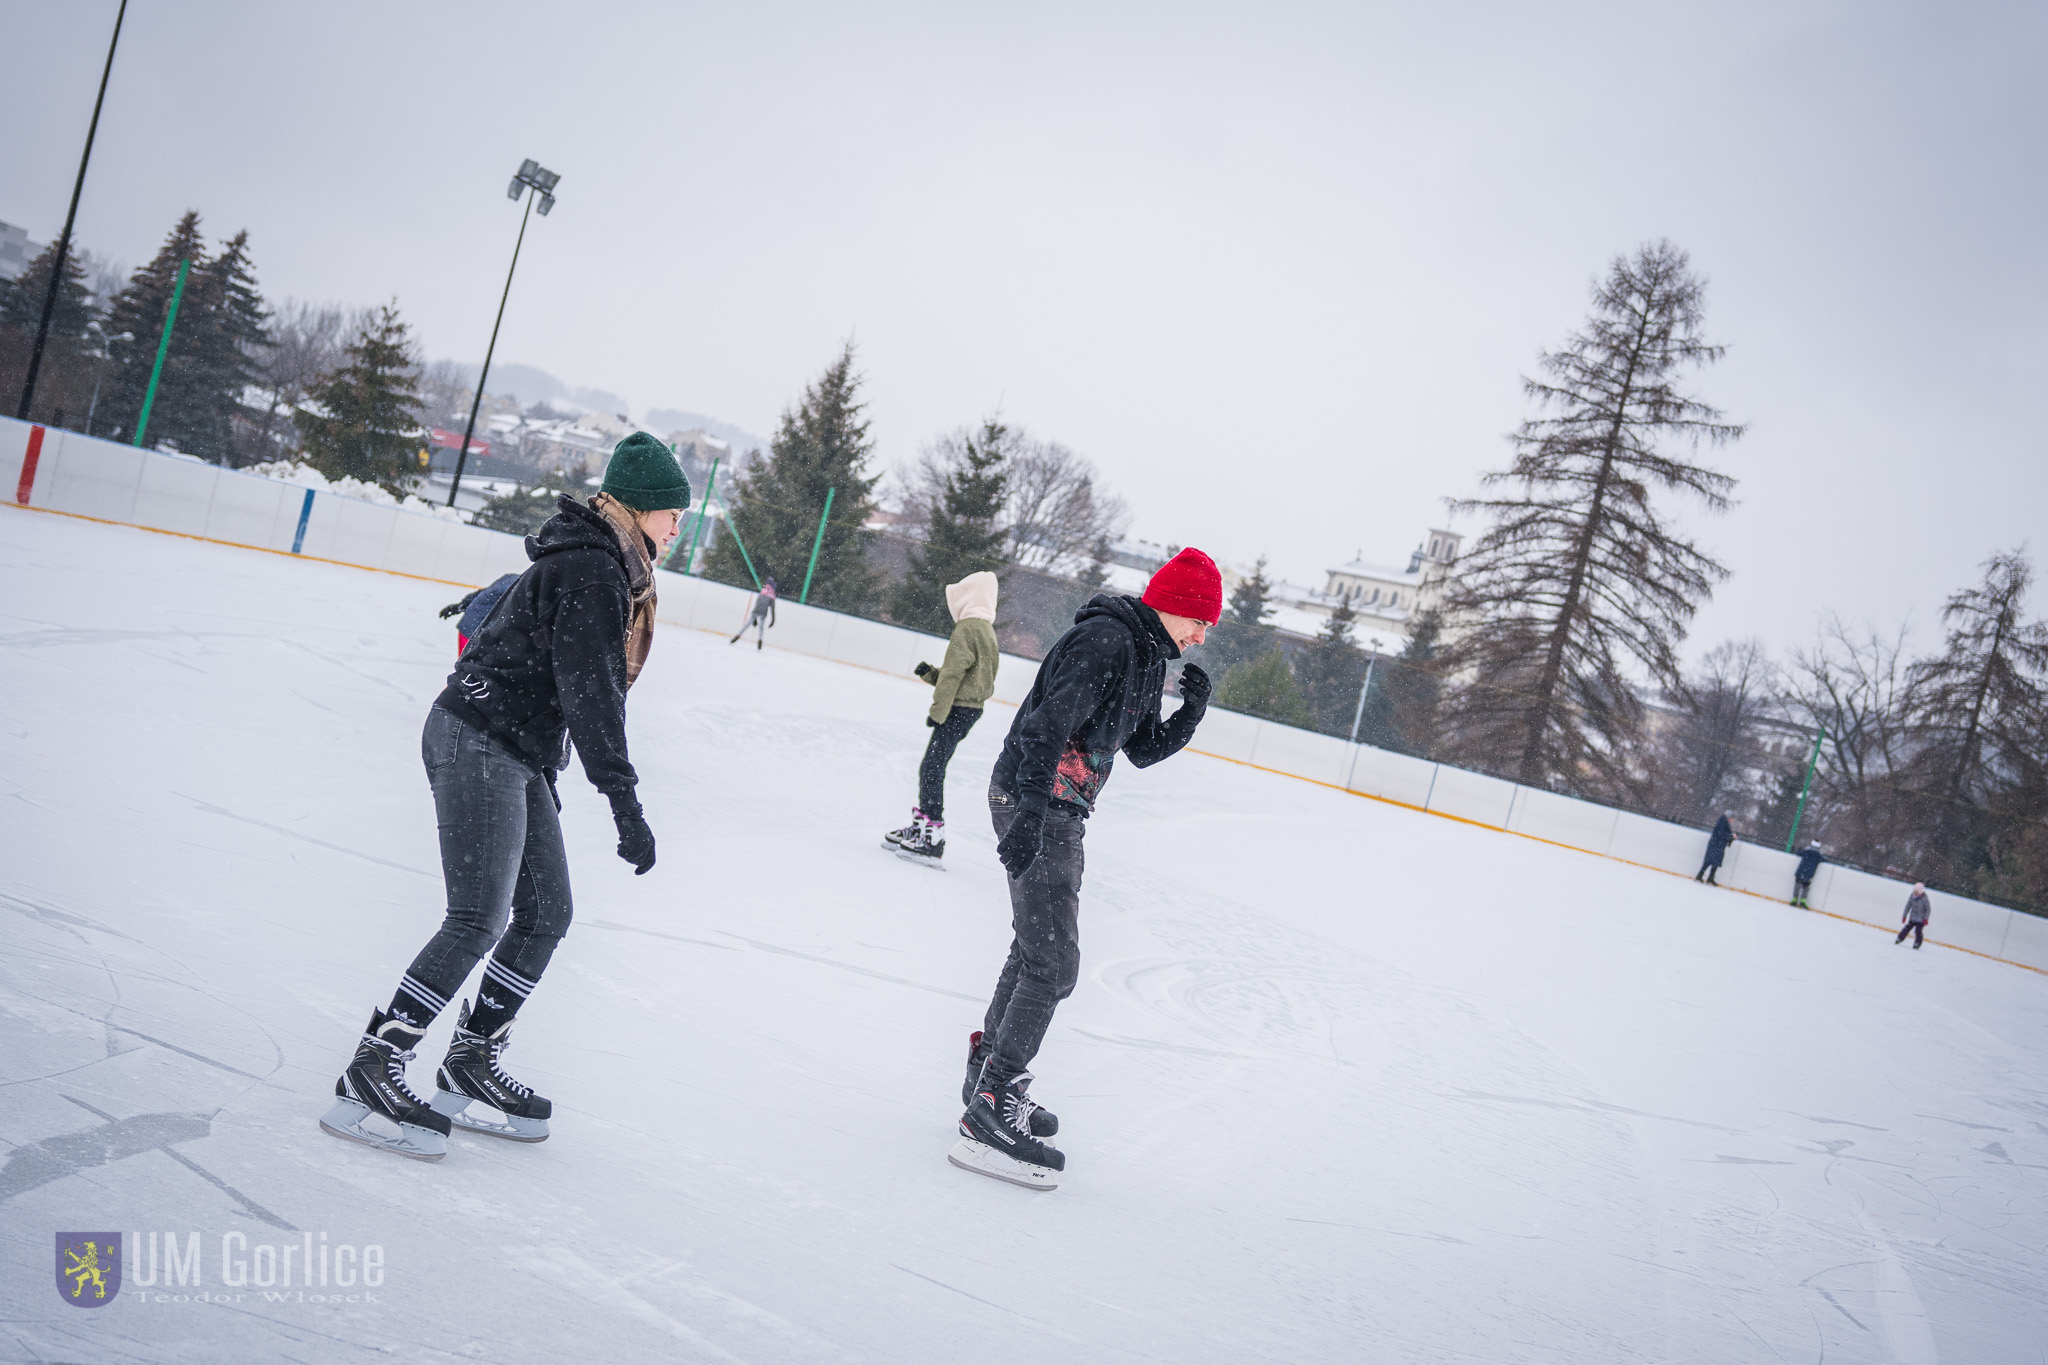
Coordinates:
(1157, 739)
(590, 682)
(1091, 670)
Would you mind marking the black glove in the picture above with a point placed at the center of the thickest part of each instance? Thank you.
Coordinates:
(1019, 848)
(923, 669)
(457, 608)
(636, 841)
(1194, 685)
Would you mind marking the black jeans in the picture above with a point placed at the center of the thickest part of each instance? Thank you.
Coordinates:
(1045, 937)
(1915, 930)
(1802, 887)
(503, 861)
(931, 774)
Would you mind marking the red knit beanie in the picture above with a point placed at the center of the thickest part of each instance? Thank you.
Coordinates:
(1187, 585)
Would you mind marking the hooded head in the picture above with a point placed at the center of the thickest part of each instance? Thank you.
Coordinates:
(975, 596)
(1919, 888)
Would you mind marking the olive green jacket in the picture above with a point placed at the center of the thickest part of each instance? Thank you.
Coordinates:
(968, 675)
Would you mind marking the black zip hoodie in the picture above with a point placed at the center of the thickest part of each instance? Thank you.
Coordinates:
(1097, 692)
(549, 665)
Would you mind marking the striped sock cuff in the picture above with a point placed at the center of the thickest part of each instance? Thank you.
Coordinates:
(512, 981)
(416, 1002)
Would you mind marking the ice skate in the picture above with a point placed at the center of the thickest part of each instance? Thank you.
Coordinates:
(1042, 1121)
(996, 1140)
(927, 846)
(374, 1084)
(896, 838)
(474, 1072)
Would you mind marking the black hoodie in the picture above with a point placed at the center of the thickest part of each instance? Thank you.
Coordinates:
(1097, 692)
(549, 664)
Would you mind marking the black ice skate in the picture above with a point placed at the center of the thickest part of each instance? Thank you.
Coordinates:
(473, 1072)
(375, 1084)
(1043, 1122)
(996, 1141)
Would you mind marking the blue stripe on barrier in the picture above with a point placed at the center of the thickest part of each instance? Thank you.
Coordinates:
(305, 515)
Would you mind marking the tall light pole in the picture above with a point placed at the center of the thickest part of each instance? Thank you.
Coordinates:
(35, 357)
(535, 181)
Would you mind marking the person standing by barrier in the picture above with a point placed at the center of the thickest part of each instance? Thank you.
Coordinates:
(1097, 692)
(1717, 849)
(551, 665)
(1810, 859)
(761, 616)
(1918, 911)
(961, 686)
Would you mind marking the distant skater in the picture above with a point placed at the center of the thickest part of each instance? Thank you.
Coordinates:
(761, 616)
(551, 665)
(1810, 859)
(961, 686)
(1918, 910)
(1097, 692)
(1717, 849)
(475, 609)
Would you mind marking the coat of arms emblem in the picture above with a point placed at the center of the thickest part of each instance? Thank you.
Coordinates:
(88, 1268)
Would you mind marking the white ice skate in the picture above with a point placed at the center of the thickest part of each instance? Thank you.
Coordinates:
(982, 1159)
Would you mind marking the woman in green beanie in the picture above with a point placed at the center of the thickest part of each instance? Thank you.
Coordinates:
(551, 664)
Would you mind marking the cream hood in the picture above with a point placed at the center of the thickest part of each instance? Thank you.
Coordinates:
(974, 595)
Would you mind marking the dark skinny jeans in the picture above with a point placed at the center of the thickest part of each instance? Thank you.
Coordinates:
(1045, 937)
(502, 857)
(938, 752)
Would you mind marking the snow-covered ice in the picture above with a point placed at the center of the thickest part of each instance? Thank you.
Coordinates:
(1342, 1081)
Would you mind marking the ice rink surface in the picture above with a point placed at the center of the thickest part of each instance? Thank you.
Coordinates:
(1341, 1082)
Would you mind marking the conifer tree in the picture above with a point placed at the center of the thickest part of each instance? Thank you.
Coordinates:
(1264, 687)
(232, 333)
(822, 443)
(962, 531)
(1582, 579)
(1243, 634)
(1401, 710)
(367, 426)
(140, 310)
(1979, 710)
(64, 383)
(1248, 604)
(1331, 672)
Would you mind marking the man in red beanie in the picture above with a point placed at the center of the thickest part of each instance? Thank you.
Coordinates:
(1097, 692)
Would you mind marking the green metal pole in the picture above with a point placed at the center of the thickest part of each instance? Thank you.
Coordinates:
(817, 543)
(690, 559)
(734, 528)
(163, 348)
(1812, 760)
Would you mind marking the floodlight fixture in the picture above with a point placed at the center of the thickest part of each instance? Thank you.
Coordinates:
(541, 182)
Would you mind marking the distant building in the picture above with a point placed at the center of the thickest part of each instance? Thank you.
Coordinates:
(16, 251)
(1383, 597)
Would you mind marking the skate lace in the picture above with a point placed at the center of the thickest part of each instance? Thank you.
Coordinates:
(395, 1067)
(1018, 1106)
(493, 1052)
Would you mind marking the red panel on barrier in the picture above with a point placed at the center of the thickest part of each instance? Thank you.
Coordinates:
(28, 465)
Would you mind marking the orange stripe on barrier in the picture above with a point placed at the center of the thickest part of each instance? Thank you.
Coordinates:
(1626, 862)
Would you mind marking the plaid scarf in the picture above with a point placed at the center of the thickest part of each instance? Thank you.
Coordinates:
(640, 575)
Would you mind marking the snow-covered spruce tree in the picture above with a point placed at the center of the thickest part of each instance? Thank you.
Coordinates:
(1979, 715)
(229, 348)
(140, 311)
(963, 534)
(64, 383)
(1580, 584)
(822, 443)
(1330, 673)
(367, 426)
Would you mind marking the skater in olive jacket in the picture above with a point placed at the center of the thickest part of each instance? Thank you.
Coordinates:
(961, 686)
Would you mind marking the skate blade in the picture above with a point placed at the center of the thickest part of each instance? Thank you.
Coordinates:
(982, 1159)
(345, 1120)
(935, 864)
(506, 1126)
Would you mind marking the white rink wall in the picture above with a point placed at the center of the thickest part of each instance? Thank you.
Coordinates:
(94, 478)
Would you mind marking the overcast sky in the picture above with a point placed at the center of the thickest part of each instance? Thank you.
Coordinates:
(1276, 268)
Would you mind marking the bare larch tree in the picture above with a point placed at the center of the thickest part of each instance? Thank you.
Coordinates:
(1580, 574)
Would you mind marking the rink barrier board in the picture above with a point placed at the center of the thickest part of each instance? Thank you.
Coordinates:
(95, 480)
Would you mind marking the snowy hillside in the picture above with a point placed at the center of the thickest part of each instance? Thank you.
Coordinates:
(1342, 1081)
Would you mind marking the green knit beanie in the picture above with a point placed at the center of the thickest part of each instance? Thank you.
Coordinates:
(644, 475)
